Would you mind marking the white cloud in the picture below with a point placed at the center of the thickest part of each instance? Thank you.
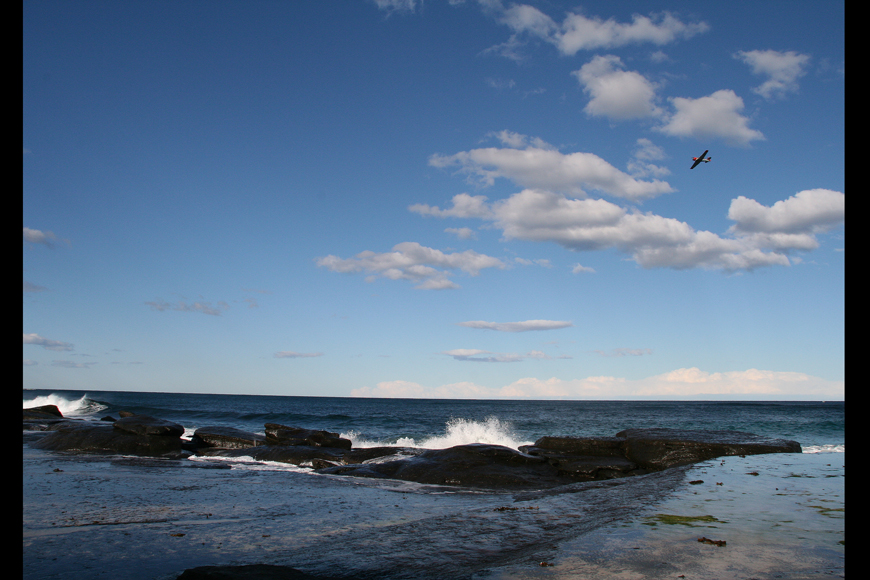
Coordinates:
(524, 326)
(578, 32)
(464, 206)
(684, 383)
(783, 69)
(541, 168)
(39, 237)
(46, 343)
(413, 262)
(716, 116)
(645, 152)
(580, 269)
(462, 233)
(615, 93)
(391, 6)
(806, 212)
(291, 354)
(761, 237)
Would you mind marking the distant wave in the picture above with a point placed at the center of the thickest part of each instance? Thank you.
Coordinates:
(68, 407)
(825, 449)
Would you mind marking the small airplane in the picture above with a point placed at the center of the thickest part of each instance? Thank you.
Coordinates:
(697, 160)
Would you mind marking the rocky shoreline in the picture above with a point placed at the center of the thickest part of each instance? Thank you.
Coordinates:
(550, 462)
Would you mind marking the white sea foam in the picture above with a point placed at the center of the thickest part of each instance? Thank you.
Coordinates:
(458, 432)
(825, 449)
(248, 463)
(75, 407)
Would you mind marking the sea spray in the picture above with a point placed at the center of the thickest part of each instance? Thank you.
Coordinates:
(458, 431)
(81, 407)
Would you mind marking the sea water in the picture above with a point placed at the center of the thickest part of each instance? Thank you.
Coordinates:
(439, 423)
(101, 516)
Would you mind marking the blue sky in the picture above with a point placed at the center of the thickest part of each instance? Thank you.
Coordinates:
(478, 199)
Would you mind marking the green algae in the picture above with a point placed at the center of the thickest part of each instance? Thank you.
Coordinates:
(691, 521)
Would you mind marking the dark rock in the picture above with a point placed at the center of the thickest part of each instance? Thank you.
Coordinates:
(248, 572)
(108, 418)
(370, 453)
(226, 437)
(42, 411)
(151, 426)
(40, 418)
(283, 435)
(100, 437)
(293, 454)
(588, 446)
(663, 448)
(474, 465)
(553, 461)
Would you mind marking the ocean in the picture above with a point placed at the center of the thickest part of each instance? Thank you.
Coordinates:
(93, 516)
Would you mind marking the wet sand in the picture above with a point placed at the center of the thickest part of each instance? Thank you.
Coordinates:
(102, 518)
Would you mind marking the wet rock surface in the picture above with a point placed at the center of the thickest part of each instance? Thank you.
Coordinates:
(550, 462)
(226, 437)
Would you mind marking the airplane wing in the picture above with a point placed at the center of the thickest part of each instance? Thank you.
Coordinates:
(699, 159)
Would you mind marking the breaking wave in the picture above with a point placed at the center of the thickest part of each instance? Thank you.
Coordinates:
(458, 431)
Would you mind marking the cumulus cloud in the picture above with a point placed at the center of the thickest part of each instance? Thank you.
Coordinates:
(524, 326)
(782, 69)
(427, 267)
(760, 237)
(46, 343)
(578, 32)
(716, 116)
(615, 93)
(684, 383)
(538, 167)
(807, 212)
(161, 305)
(291, 354)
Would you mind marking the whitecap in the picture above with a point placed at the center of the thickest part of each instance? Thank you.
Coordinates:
(825, 448)
(68, 407)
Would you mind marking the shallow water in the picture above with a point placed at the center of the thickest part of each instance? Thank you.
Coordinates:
(102, 517)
